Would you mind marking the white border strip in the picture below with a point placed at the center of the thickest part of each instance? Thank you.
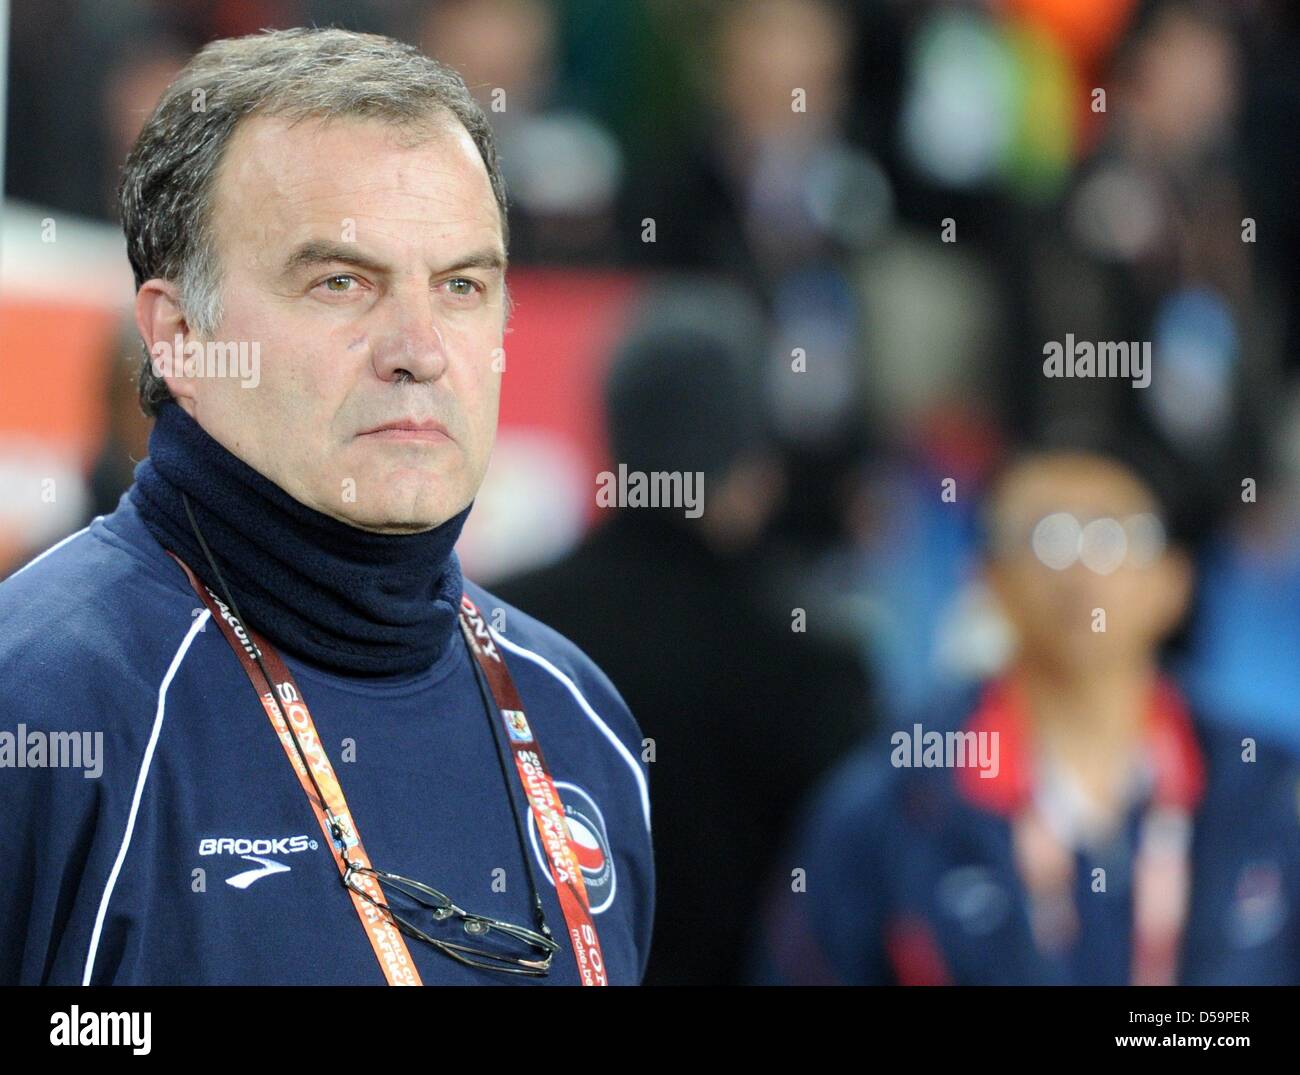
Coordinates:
(195, 628)
(624, 753)
(53, 548)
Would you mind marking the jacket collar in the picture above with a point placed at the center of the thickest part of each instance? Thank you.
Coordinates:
(1169, 739)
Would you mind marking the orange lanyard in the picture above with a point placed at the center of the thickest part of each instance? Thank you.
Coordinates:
(335, 818)
(539, 789)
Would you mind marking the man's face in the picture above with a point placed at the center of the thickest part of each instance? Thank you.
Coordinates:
(368, 267)
(1115, 602)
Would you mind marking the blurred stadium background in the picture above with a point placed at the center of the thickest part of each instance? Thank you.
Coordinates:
(1168, 216)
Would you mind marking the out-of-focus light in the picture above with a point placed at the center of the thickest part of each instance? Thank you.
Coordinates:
(956, 119)
(987, 101)
(849, 196)
(1044, 108)
(1115, 214)
(563, 163)
(30, 474)
(815, 313)
(1194, 355)
(1103, 545)
(1146, 539)
(1056, 540)
(531, 507)
(1087, 29)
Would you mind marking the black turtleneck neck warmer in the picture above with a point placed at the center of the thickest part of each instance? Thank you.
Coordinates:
(345, 599)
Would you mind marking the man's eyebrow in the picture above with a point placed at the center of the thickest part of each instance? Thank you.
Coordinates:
(319, 252)
(480, 259)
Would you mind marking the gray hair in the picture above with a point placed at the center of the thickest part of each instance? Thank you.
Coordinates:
(165, 194)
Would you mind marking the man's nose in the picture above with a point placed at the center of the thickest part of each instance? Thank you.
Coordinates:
(411, 341)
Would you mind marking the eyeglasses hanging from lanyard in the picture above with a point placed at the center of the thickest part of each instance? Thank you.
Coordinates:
(528, 952)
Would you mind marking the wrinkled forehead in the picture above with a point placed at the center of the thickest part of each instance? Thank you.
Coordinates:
(280, 175)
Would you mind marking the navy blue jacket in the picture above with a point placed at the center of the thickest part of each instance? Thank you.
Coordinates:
(908, 879)
(124, 878)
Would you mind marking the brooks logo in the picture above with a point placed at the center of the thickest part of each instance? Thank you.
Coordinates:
(268, 867)
(255, 849)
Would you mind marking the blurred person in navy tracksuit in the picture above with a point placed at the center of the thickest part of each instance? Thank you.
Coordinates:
(1091, 829)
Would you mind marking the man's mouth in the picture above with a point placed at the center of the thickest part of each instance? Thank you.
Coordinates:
(426, 430)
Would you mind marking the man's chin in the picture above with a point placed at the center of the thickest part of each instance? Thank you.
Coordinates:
(394, 520)
(404, 500)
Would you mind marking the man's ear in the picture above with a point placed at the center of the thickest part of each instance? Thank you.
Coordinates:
(166, 334)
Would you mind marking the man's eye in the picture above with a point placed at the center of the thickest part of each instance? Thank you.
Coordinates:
(342, 280)
(462, 287)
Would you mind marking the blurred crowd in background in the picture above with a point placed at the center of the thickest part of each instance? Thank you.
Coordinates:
(842, 297)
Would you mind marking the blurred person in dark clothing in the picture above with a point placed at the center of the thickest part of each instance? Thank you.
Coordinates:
(772, 187)
(745, 704)
(769, 180)
(562, 167)
(1156, 242)
(1091, 829)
